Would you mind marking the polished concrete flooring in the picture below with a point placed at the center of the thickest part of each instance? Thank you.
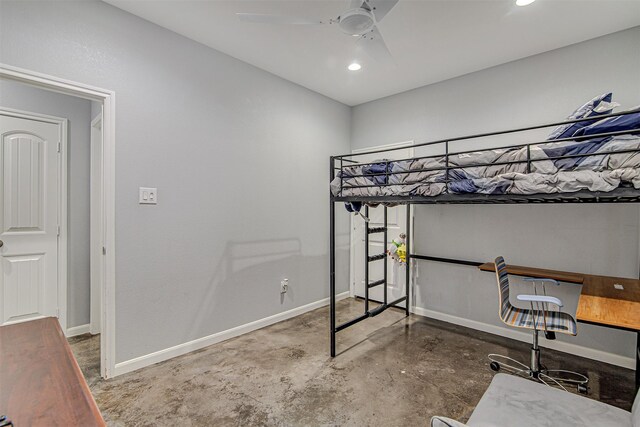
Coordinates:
(391, 371)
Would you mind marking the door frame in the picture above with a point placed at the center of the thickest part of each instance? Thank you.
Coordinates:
(107, 98)
(61, 208)
(96, 239)
(352, 247)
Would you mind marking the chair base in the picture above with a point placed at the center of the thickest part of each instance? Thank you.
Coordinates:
(538, 372)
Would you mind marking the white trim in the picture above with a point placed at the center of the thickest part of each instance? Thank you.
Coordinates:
(107, 97)
(77, 330)
(578, 350)
(62, 220)
(108, 298)
(197, 344)
(96, 240)
(352, 260)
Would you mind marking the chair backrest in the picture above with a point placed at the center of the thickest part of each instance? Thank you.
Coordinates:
(503, 287)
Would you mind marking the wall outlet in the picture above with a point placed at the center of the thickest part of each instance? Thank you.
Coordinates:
(284, 286)
(148, 196)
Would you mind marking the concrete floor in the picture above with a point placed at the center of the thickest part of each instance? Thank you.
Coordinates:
(391, 371)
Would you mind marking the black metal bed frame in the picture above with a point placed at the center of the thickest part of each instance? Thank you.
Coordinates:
(337, 163)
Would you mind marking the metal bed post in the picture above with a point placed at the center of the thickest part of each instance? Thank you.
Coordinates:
(384, 248)
(637, 360)
(332, 262)
(366, 260)
(446, 169)
(408, 258)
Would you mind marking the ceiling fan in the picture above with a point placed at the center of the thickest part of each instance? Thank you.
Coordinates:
(361, 20)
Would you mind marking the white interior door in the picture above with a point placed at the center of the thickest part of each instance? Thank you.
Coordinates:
(29, 191)
(396, 224)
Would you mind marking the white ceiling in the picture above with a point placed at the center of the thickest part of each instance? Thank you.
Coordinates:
(431, 40)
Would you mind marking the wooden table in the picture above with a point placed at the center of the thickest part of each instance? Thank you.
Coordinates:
(601, 301)
(40, 381)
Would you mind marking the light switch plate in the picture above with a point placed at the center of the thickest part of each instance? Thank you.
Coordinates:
(148, 196)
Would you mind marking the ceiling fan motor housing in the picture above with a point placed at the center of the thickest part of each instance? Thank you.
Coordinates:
(356, 22)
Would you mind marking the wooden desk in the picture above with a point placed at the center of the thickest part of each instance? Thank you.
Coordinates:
(40, 380)
(517, 270)
(600, 303)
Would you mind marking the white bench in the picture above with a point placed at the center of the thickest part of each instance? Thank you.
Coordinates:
(514, 401)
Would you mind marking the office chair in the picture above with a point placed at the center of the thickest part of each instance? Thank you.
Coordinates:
(540, 317)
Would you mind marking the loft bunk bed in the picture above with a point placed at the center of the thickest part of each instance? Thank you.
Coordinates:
(599, 163)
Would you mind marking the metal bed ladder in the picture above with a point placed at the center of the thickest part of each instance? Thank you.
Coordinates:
(368, 259)
(368, 285)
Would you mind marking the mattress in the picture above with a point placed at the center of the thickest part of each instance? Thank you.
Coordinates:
(601, 164)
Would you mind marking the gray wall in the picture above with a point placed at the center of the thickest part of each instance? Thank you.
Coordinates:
(239, 157)
(538, 89)
(27, 98)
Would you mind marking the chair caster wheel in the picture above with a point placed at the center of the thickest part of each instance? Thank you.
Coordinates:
(583, 389)
(495, 366)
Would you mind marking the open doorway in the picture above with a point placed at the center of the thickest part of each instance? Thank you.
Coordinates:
(57, 221)
(396, 225)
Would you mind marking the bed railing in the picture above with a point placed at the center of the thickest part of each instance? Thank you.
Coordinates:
(337, 163)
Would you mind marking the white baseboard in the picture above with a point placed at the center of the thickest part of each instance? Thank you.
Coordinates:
(77, 330)
(578, 350)
(184, 348)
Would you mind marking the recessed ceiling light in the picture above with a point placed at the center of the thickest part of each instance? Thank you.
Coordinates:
(524, 2)
(354, 66)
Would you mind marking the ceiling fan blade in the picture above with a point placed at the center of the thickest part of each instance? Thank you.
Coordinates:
(373, 45)
(262, 18)
(355, 4)
(380, 8)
